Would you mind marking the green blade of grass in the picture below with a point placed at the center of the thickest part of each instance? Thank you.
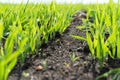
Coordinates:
(90, 43)
(10, 67)
(118, 46)
(78, 37)
(1, 29)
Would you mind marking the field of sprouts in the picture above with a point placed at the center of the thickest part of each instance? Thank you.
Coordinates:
(60, 41)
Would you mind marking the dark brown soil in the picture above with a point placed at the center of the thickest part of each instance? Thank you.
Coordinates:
(59, 65)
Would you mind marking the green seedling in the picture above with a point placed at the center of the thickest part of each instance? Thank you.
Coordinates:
(45, 64)
(115, 74)
(73, 58)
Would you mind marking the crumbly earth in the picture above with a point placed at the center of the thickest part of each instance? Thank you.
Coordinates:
(55, 63)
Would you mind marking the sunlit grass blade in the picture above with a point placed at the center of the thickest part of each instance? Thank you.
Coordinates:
(78, 37)
(118, 46)
(2, 69)
(81, 27)
(9, 67)
(1, 29)
(90, 43)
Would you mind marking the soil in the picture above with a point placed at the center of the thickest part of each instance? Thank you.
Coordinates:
(54, 61)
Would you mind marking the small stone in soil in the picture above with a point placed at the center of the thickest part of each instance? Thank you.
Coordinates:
(39, 68)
